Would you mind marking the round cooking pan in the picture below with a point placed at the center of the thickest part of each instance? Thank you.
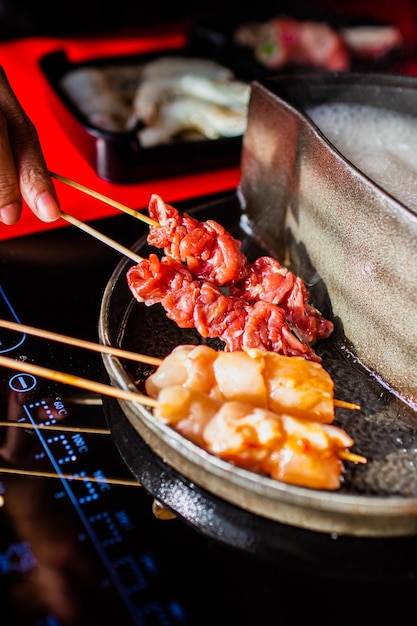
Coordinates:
(376, 501)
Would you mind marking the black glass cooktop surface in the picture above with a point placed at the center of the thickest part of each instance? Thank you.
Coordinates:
(79, 541)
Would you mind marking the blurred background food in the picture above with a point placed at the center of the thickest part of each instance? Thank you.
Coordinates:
(26, 18)
(171, 99)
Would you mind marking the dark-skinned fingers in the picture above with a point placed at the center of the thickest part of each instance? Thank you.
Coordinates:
(10, 196)
(23, 170)
(37, 188)
(35, 183)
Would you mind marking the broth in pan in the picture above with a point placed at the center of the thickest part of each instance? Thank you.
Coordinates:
(380, 142)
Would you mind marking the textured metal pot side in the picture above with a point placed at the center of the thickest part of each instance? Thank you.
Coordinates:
(297, 189)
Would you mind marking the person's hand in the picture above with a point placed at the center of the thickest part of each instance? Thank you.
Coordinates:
(23, 171)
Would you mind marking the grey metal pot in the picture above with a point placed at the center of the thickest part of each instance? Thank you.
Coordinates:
(297, 191)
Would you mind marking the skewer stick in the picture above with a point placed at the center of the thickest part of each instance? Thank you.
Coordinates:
(346, 405)
(96, 347)
(76, 381)
(103, 238)
(72, 341)
(351, 456)
(111, 481)
(60, 427)
(105, 199)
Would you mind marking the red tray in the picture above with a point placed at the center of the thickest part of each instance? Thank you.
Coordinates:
(20, 60)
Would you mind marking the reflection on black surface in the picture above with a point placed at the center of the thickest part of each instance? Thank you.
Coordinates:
(73, 554)
(70, 552)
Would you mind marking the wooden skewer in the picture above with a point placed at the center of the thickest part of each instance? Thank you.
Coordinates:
(103, 238)
(134, 356)
(112, 481)
(351, 456)
(60, 427)
(105, 199)
(76, 381)
(72, 341)
(346, 405)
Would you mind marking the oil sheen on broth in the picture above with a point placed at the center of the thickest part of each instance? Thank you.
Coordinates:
(382, 143)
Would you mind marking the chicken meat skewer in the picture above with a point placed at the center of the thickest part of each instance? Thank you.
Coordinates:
(282, 384)
(262, 411)
(284, 447)
(191, 365)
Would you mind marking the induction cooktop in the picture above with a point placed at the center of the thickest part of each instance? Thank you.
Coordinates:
(80, 542)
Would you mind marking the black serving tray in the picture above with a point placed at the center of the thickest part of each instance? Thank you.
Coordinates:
(117, 157)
